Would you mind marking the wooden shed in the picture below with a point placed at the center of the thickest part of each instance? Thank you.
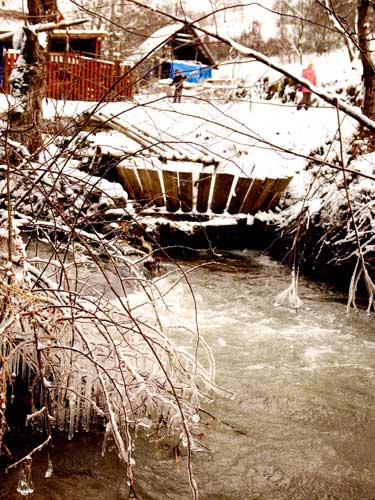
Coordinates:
(173, 42)
(75, 70)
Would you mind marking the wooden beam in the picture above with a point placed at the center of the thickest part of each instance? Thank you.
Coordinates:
(278, 189)
(204, 184)
(223, 184)
(130, 182)
(171, 190)
(145, 183)
(252, 196)
(242, 187)
(155, 186)
(186, 190)
(261, 202)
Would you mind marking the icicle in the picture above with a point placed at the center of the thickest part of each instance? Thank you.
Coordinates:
(18, 363)
(184, 439)
(25, 484)
(88, 393)
(290, 295)
(195, 418)
(105, 437)
(23, 367)
(353, 287)
(72, 415)
(49, 470)
(146, 425)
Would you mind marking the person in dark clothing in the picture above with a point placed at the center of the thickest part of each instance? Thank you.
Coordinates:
(178, 82)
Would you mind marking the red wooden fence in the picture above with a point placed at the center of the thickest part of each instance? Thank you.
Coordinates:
(77, 78)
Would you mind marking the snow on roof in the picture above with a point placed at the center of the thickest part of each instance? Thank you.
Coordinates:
(9, 23)
(152, 42)
(79, 33)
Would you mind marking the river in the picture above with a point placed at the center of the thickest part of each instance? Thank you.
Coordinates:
(301, 424)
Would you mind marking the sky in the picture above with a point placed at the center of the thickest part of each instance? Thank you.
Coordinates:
(231, 20)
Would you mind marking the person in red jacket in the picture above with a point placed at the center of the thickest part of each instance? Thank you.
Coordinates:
(309, 74)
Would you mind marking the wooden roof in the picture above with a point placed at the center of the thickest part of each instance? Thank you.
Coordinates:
(178, 35)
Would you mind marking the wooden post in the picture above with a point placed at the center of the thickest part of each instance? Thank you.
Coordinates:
(252, 196)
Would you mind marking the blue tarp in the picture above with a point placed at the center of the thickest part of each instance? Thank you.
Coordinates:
(194, 72)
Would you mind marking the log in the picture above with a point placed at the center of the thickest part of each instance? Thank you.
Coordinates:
(155, 186)
(261, 202)
(278, 190)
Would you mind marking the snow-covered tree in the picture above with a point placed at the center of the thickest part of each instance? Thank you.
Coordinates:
(365, 24)
(305, 28)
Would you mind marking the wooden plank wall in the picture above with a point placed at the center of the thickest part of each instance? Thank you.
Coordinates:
(223, 184)
(77, 78)
(242, 186)
(172, 200)
(185, 183)
(219, 192)
(204, 186)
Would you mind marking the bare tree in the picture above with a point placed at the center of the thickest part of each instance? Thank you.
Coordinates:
(365, 35)
(40, 11)
(341, 23)
(92, 358)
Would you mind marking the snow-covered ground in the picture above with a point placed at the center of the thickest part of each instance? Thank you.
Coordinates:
(330, 67)
(244, 134)
(263, 137)
(254, 138)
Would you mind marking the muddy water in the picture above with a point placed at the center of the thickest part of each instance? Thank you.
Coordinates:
(302, 423)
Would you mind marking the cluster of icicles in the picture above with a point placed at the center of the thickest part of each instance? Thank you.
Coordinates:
(98, 364)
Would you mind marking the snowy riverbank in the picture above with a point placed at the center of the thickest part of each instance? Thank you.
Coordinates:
(255, 136)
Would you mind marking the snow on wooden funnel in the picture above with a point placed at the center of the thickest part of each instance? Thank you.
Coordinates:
(171, 164)
(200, 190)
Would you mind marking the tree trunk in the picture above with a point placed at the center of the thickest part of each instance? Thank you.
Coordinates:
(27, 87)
(28, 79)
(364, 34)
(41, 11)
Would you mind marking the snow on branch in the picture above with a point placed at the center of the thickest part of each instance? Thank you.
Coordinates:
(97, 351)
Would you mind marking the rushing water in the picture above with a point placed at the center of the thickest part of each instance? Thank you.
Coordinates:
(302, 423)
